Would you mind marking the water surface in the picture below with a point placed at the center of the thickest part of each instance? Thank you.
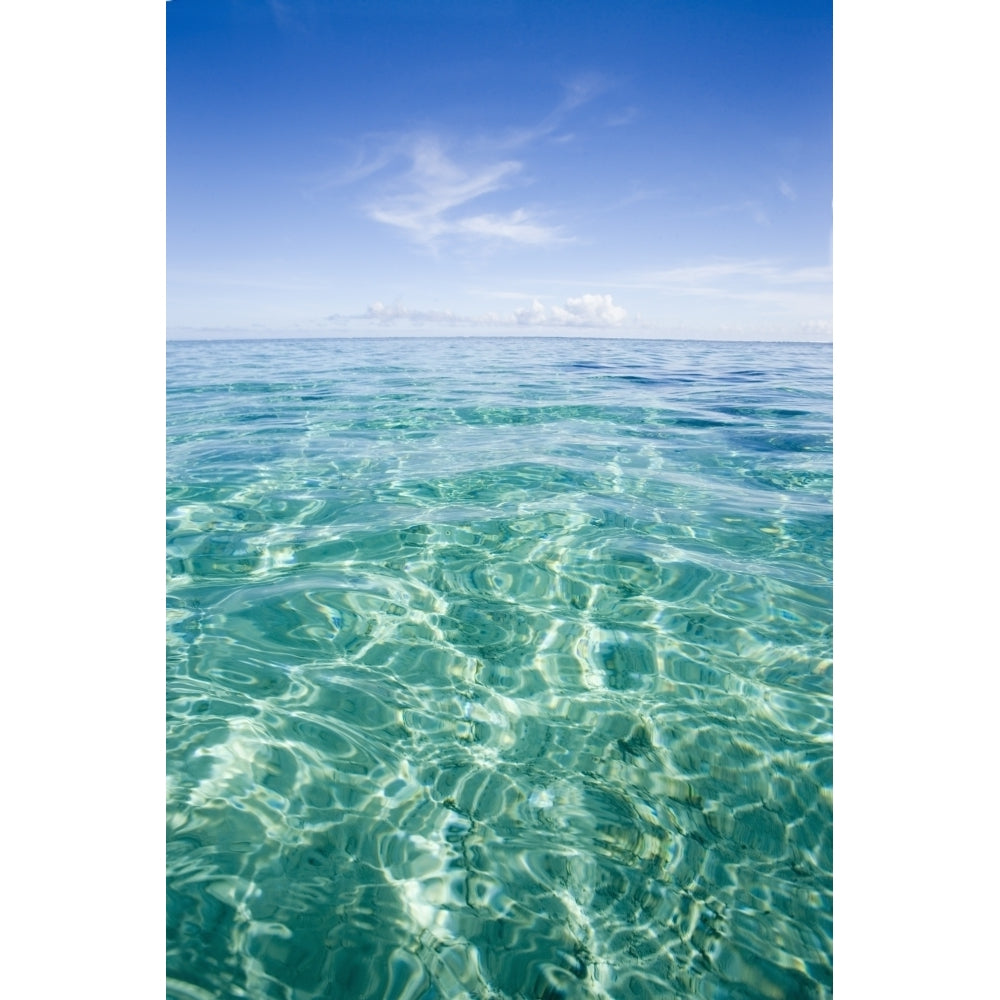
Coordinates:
(499, 669)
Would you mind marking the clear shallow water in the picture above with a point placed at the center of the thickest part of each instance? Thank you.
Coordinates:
(499, 670)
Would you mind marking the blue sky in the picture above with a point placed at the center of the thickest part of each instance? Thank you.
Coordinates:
(389, 167)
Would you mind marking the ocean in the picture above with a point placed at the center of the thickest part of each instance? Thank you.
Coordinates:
(499, 668)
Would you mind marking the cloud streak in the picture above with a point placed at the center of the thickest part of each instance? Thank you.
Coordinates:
(624, 117)
(705, 276)
(749, 281)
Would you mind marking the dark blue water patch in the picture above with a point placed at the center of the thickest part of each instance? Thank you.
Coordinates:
(587, 366)
(662, 380)
(696, 423)
(253, 416)
(763, 413)
(784, 441)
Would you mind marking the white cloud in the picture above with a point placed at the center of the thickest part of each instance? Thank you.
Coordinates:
(786, 189)
(587, 310)
(517, 226)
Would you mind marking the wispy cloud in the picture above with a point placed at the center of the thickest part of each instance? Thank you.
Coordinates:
(623, 117)
(638, 194)
(425, 184)
(518, 226)
(577, 91)
(706, 276)
(786, 189)
(751, 206)
(387, 315)
(280, 11)
(750, 281)
(431, 199)
(297, 17)
(582, 89)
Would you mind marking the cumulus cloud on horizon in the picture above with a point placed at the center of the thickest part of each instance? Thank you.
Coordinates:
(587, 310)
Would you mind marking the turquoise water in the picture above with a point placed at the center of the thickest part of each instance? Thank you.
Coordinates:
(499, 669)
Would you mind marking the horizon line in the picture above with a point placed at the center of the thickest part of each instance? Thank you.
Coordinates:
(473, 336)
